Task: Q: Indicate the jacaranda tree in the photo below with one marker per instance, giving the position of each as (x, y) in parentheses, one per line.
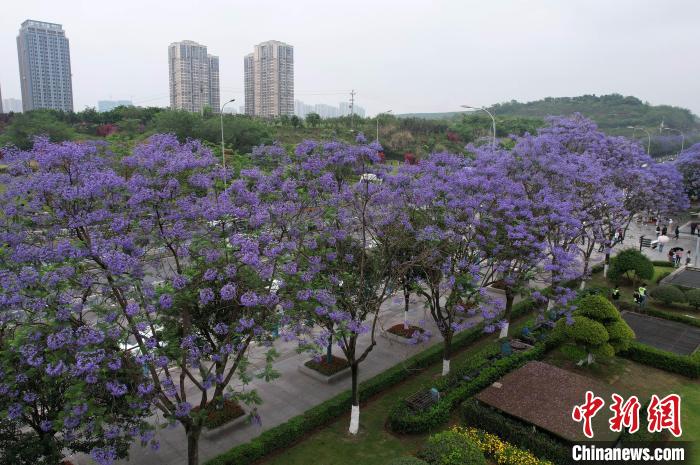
(179, 261)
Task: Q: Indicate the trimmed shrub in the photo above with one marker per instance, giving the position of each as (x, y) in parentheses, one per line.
(662, 263)
(597, 327)
(404, 420)
(451, 448)
(632, 264)
(671, 316)
(598, 308)
(668, 361)
(662, 276)
(667, 294)
(409, 460)
(520, 434)
(693, 298)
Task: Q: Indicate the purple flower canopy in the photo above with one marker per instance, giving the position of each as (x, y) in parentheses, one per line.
(124, 271)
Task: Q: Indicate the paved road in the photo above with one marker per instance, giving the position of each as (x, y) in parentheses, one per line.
(293, 393)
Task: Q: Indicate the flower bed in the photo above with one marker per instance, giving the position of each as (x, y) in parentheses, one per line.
(502, 452)
(218, 417)
(401, 331)
(521, 434)
(328, 369)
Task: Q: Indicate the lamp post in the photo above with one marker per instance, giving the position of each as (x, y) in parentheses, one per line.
(666, 128)
(223, 150)
(378, 115)
(493, 120)
(634, 128)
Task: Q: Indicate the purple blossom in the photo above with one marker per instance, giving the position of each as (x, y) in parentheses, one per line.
(228, 292)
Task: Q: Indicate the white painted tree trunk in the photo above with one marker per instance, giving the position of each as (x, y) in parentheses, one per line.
(605, 270)
(583, 284)
(445, 367)
(504, 330)
(405, 319)
(590, 358)
(354, 419)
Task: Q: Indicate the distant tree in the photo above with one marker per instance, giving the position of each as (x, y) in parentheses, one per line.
(25, 126)
(314, 119)
(295, 121)
(632, 264)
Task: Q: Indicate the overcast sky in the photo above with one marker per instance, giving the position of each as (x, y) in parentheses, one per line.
(404, 55)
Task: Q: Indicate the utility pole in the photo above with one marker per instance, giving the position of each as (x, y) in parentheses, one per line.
(352, 110)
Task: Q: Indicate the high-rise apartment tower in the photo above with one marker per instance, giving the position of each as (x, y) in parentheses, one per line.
(269, 80)
(194, 77)
(44, 66)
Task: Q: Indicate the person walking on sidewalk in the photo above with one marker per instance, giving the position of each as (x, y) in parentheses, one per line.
(677, 233)
(687, 258)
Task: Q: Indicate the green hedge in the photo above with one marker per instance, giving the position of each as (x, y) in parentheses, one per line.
(294, 429)
(524, 436)
(671, 316)
(668, 361)
(402, 419)
(597, 268)
(662, 263)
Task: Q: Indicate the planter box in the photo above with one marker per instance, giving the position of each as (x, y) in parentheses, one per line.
(396, 338)
(496, 290)
(225, 428)
(344, 373)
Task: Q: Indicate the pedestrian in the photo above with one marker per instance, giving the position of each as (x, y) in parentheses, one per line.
(642, 296)
(661, 246)
(664, 230)
(693, 227)
(670, 256)
(677, 259)
(687, 259)
(637, 299)
(658, 230)
(677, 232)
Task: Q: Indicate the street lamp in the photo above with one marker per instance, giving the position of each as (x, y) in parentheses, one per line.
(493, 120)
(634, 128)
(665, 128)
(378, 115)
(223, 150)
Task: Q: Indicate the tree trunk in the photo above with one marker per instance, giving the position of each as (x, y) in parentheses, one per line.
(446, 352)
(406, 297)
(329, 350)
(607, 264)
(355, 409)
(510, 297)
(193, 432)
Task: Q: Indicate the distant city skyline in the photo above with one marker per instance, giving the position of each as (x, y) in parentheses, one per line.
(323, 110)
(12, 105)
(451, 53)
(107, 105)
(43, 51)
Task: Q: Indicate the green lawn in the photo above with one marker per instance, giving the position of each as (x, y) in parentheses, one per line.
(374, 445)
